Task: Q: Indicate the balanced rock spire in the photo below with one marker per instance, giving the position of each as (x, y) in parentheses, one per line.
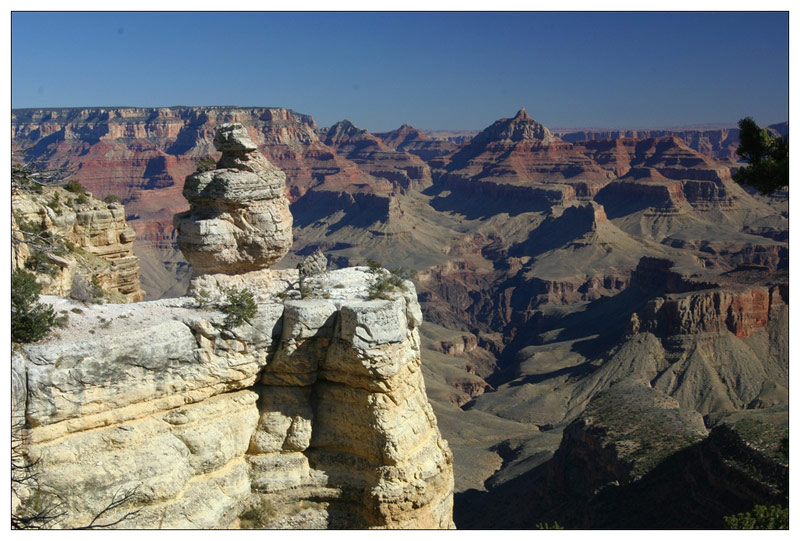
(239, 219)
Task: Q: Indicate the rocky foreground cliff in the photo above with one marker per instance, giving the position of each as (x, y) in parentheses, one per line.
(314, 410)
(308, 411)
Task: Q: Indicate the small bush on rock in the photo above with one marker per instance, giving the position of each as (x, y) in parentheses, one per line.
(203, 299)
(386, 283)
(30, 320)
(111, 198)
(75, 187)
(24, 177)
(374, 266)
(39, 262)
(32, 228)
(240, 306)
(762, 517)
(257, 517)
(55, 204)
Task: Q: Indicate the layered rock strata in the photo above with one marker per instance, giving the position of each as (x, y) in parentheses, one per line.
(374, 157)
(519, 157)
(719, 143)
(83, 236)
(239, 218)
(315, 404)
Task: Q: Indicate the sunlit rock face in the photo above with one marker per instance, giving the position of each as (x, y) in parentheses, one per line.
(99, 242)
(239, 219)
(315, 408)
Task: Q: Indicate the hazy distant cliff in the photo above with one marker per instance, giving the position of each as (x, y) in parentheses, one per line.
(720, 143)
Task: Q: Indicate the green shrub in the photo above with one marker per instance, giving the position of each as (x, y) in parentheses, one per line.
(206, 163)
(23, 175)
(39, 262)
(62, 247)
(33, 228)
(374, 266)
(82, 199)
(257, 517)
(203, 299)
(75, 187)
(240, 306)
(388, 282)
(55, 204)
(762, 517)
(111, 198)
(30, 320)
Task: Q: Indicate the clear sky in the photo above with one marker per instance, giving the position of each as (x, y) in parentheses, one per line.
(431, 70)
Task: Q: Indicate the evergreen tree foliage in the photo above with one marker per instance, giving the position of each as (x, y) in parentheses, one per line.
(30, 320)
(240, 306)
(767, 155)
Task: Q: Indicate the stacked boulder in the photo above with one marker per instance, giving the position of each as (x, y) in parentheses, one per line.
(239, 219)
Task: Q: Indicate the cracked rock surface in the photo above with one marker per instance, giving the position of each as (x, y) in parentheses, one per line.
(315, 409)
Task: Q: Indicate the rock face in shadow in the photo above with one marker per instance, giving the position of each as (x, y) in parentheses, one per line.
(239, 219)
(636, 460)
(315, 404)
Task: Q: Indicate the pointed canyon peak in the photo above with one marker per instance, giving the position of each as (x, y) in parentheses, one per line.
(519, 128)
(239, 218)
(342, 129)
(405, 134)
(350, 140)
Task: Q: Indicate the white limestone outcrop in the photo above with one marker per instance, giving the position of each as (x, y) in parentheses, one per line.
(314, 409)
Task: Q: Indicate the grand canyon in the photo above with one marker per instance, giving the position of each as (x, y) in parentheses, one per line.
(595, 333)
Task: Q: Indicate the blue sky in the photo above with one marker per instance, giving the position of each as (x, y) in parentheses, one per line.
(431, 70)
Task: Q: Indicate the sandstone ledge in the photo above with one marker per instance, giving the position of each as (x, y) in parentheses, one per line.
(319, 399)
